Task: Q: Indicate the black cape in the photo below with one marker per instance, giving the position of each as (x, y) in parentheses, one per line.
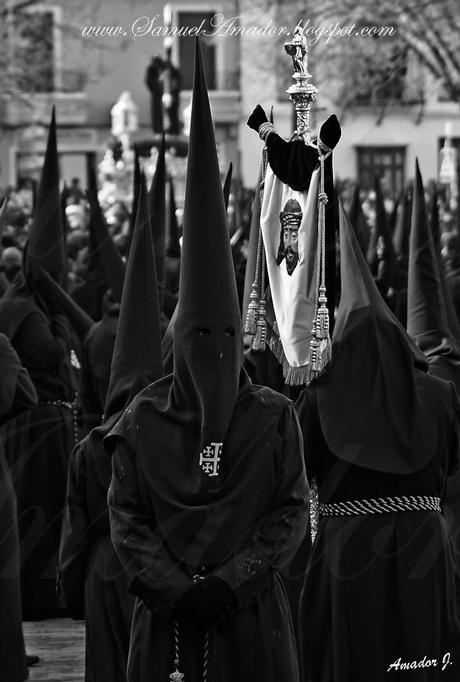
(16, 394)
(381, 587)
(167, 523)
(38, 444)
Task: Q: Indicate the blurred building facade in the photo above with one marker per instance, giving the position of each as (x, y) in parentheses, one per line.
(84, 77)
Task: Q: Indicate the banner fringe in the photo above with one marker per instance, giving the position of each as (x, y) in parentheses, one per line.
(293, 376)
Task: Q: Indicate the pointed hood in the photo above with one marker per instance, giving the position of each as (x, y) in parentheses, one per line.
(368, 400)
(207, 334)
(157, 211)
(172, 226)
(358, 220)
(402, 226)
(106, 249)
(227, 185)
(46, 236)
(79, 320)
(426, 312)
(431, 318)
(136, 185)
(95, 268)
(137, 359)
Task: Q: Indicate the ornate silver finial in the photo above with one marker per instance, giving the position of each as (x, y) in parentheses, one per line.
(302, 93)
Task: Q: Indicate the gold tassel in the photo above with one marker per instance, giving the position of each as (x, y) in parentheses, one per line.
(260, 339)
(320, 344)
(314, 352)
(322, 316)
(250, 325)
(322, 330)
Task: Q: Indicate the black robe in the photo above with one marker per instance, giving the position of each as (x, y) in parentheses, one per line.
(381, 588)
(166, 529)
(92, 582)
(38, 444)
(16, 394)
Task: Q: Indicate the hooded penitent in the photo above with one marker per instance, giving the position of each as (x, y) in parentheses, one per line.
(207, 338)
(89, 573)
(157, 211)
(46, 237)
(136, 360)
(429, 305)
(371, 408)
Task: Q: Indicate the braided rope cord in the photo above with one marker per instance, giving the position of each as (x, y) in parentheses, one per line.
(73, 407)
(206, 657)
(176, 676)
(381, 505)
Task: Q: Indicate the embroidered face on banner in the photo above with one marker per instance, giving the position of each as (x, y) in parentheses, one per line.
(290, 219)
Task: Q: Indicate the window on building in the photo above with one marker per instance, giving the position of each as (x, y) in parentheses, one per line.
(387, 163)
(34, 50)
(186, 49)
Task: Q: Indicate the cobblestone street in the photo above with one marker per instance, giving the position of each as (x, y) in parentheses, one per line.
(60, 643)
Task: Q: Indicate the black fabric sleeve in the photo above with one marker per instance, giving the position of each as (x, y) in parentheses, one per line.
(280, 532)
(156, 576)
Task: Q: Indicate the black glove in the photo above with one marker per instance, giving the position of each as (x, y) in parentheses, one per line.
(205, 603)
(330, 131)
(257, 117)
